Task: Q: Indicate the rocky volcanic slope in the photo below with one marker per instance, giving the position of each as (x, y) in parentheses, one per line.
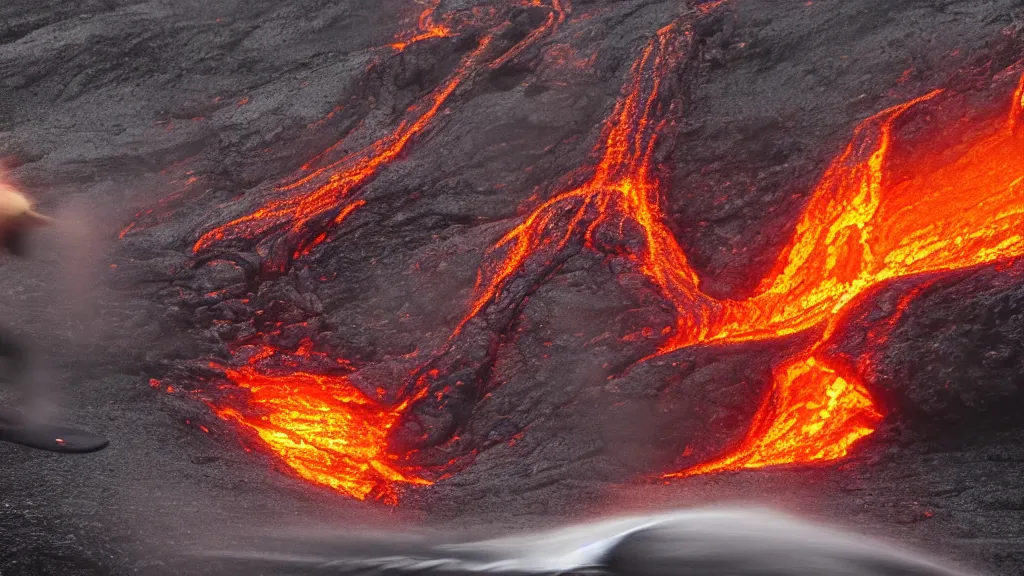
(112, 106)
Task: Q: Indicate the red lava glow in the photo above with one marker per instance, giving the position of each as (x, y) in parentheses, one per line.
(862, 227)
(326, 200)
(622, 186)
(427, 28)
(321, 199)
(859, 230)
(323, 428)
(152, 216)
(555, 18)
(812, 414)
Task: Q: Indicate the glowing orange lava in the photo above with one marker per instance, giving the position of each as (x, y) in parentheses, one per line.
(862, 227)
(326, 201)
(323, 428)
(621, 188)
(859, 230)
(555, 18)
(814, 414)
(427, 28)
(321, 199)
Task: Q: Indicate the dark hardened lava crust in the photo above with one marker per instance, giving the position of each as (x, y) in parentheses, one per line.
(113, 106)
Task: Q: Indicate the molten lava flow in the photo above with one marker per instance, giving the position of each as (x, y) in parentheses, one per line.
(859, 230)
(327, 200)
(321, 199)
(427, 28)
(813, 414)
(622, 190)
(323, 428)
(1016, 108)
(862, 227)
(555, 18)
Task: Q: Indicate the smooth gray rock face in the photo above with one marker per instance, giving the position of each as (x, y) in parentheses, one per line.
(179, 115)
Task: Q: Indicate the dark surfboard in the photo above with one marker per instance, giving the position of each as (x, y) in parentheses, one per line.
(49, 437)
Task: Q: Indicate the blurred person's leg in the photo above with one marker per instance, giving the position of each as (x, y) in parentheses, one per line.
(34, 428)
(16, 357)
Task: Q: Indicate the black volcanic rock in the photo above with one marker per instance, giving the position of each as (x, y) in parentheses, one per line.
(180, 116)
(959, 357)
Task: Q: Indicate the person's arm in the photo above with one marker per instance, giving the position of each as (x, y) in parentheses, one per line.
(16, 218)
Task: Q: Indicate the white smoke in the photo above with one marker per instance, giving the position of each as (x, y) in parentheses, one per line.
(703, 542)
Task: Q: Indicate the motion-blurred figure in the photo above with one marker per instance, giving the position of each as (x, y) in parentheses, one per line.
(17, 218)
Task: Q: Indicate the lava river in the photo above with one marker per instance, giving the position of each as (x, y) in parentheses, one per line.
(862, 227)
(322, 427)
